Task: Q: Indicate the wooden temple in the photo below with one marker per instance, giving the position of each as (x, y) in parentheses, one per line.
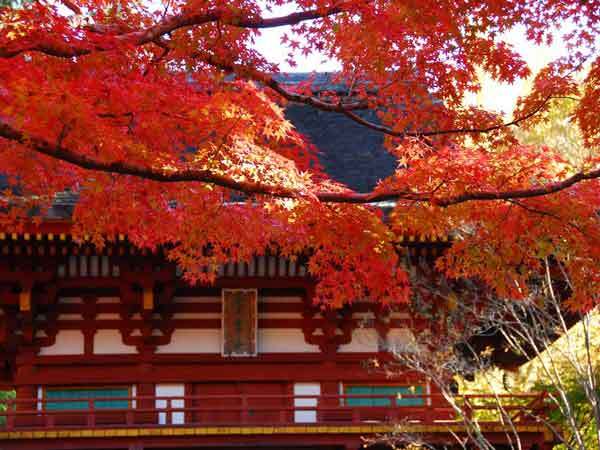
(111, 349)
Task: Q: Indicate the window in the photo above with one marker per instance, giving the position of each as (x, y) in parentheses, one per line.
(397, 391)
(73, 398)
(239, 322)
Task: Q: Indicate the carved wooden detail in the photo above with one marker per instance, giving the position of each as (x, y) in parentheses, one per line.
(326, 327)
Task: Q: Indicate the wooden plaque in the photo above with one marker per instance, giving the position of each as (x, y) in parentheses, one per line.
(239, 322)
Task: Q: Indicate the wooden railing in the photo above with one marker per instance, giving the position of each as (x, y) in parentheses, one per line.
(263, 410)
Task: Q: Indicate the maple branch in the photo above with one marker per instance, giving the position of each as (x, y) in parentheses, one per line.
(551, 215)
(348, 108)
(61, 153)
(153, 34)
(72, 6)
(62, 49)
(58, 152)
(425, 133)
(270, 82)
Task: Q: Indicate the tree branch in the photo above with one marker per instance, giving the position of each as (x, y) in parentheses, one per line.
(270, 82)
(546, 214)
(348, 108)
(59, 152)
(429, 133)
(62, 49)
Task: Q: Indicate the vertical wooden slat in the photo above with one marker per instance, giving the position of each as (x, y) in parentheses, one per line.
(83, 266)
(93, 269)
(252, 267)
(72, 266)
(105, 266)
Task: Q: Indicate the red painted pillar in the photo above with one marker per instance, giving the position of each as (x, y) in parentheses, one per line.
(147, 417)
(25, 409)
(26, 394)
(329, 403)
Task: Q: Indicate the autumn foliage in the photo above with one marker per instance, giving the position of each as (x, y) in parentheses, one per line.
(169, 125)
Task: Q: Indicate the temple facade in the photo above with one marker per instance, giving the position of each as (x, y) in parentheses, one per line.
(112, 349)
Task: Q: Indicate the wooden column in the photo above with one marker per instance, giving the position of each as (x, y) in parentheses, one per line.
(26, 394)
(146, 418)
(328, 388)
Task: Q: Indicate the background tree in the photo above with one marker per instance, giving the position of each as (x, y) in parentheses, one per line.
(105, 99)
(557, 347)
(563, 362)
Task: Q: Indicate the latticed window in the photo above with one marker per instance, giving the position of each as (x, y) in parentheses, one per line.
(402, 394)
(78, 398)
(239, 322)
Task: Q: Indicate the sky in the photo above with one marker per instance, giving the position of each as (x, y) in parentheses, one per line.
(494, 96)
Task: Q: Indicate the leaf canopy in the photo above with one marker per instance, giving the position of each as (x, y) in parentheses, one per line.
(105, 99)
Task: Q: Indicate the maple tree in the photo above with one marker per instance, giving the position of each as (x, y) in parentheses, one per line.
(107, 99)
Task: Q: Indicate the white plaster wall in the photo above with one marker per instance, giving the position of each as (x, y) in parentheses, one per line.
(400, 340)
(178, 316)
(280, 315)
(364, 340)
(68, 342)
(70, 317)
(193, 341)
(109, 342)
(283, 340)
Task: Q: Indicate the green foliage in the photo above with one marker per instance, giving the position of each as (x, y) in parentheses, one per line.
(5, 395)
(558, 131)
(583, 413)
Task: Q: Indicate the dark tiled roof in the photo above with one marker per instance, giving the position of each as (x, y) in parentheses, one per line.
(349, 152)
(63, 205)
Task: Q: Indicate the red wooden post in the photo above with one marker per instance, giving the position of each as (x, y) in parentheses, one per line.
(355, 415)
(244, 412)
(283, 415)
(168, 413)
(468, 408)
(330, 401)
(10, 415)
(91, 415)
(26, 401)
(49, 422)
(129, 416)
(147, 402)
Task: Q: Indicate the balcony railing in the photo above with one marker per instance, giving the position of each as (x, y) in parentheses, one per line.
(263, 410)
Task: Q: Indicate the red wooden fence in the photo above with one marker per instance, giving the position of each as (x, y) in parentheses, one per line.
(264, 410)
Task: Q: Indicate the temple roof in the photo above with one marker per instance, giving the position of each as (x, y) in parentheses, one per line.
(349, 152)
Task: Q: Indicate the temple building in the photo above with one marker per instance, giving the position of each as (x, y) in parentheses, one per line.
(112, 349)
